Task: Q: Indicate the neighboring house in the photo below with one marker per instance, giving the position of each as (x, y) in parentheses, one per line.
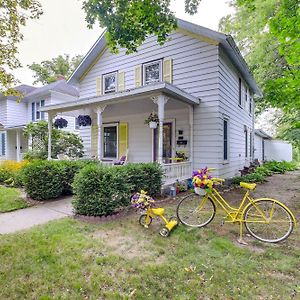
(197, 82)
(266, 148)
(14, 115)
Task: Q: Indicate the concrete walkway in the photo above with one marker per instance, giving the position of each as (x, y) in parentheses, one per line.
(36, 215)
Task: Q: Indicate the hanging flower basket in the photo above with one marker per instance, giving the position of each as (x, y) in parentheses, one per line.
(152, 120)
(84, 120)
(60, 123)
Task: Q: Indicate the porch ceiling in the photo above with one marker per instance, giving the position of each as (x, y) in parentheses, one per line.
(144, 92)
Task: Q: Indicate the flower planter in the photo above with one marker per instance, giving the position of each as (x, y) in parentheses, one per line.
(152, 125)
(200, 191)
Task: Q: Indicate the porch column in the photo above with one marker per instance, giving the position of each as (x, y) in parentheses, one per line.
(99, 110)
(191, 120)
(160, 100)
(50, 118)
(18, 144)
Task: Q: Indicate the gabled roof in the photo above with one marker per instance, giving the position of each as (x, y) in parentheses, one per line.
(226, 42)
(60, 86)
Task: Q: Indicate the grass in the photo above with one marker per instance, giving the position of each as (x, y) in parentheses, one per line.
(71, 259)
(10, 199)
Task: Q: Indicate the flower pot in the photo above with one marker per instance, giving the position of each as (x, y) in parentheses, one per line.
(152, 125)
(200, 191)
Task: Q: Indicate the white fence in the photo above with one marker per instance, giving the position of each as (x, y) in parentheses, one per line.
(174, 171)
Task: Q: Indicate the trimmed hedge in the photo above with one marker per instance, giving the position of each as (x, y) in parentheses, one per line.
(101, 190)
(44, 180)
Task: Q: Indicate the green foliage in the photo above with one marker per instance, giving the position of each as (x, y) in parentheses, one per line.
(280, 166)
(63, 142)
(128, 23)
(268, 33)
(48, 71)
(100, 190)
(267, 169)
(43, 180)
(5, 174)
(13, 15)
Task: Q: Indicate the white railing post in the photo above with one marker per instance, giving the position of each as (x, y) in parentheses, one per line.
(99, 110)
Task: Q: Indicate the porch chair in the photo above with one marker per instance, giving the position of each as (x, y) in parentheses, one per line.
(122, 161)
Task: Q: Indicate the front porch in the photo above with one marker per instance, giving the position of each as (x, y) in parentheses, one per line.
(118, 128)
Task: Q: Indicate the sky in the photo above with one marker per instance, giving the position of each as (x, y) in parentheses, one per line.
(62, 29)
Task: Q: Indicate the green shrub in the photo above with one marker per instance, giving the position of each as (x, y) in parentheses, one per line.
(144, 176)
(280, 166)
(253, 177)
(263, 171)
(101, 190)
(5, 174)
(43, 180)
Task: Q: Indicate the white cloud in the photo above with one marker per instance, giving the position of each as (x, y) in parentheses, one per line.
(62, 29)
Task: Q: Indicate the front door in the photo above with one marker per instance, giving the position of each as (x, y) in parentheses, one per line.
(167, 143)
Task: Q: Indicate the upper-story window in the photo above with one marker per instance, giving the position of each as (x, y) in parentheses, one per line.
(240, 91)
(2, 144)
(36, 115)
(110, 83)
(152, 72)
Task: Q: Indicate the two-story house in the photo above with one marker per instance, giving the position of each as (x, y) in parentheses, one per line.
(198, 84)
(14, 115)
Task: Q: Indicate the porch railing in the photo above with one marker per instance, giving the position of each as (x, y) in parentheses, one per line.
(174, 171)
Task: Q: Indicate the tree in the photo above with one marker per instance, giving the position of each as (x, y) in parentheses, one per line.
(267, 32)
(48, 71)
(128, 22)
(13, 15)
(62, 142)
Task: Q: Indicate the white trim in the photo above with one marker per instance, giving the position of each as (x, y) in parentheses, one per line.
(102, 143)
(103, 82)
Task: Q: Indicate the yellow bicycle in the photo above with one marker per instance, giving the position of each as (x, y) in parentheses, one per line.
(266, 219)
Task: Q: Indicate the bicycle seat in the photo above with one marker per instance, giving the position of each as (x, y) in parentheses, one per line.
(248, 186)
(158, 211)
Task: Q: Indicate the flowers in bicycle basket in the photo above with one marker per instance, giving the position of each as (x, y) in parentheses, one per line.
(142, 200)
(202, 180)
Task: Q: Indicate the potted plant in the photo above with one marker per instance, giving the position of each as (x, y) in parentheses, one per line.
(202, 181)
(152, 120)
(84, 120)
(60, 123)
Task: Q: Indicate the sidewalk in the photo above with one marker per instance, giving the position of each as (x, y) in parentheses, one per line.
(40, 214)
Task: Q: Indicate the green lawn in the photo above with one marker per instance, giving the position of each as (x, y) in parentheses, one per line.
(10, 199)
(71, 259)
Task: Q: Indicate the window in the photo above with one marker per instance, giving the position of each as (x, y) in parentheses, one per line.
(246, 95)
(251, 144)
(77, 123)
(152, 72)
(2, 144)
(246, 141)
(225, 139)
(110, 83)
(110, 141)
(250, 106)
(240, 91)
(36, 115)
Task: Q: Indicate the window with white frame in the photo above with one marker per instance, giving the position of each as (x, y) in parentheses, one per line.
(240, 91)
(110, 83)
(152, 72)
(110, 141)
(36, 115)
(2, 144)
(246, 140)
(225, 139)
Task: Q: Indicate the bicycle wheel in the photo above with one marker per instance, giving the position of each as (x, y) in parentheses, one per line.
(196, 211)
(143, 220)
(268, 221)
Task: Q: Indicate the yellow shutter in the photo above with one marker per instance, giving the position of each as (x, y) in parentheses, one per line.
(123, 139)
(99, 85)
(168, 70)
(138, 76)
(94, 139)
(121, 81)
